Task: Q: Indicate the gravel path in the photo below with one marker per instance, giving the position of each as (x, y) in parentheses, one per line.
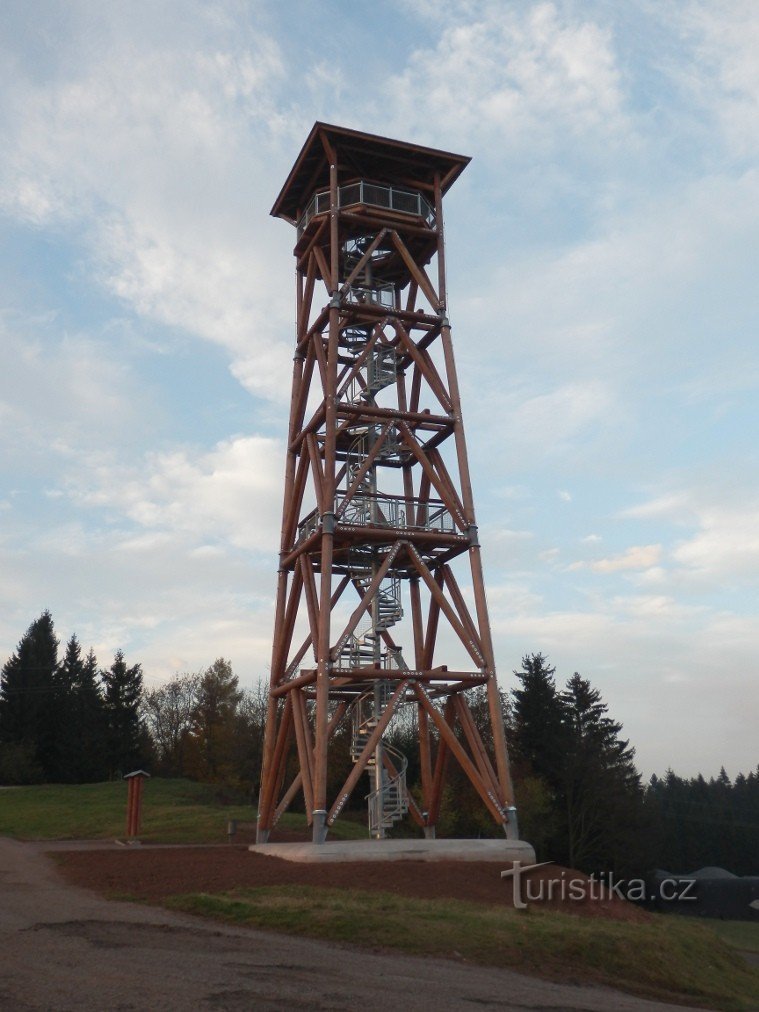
(66, 948)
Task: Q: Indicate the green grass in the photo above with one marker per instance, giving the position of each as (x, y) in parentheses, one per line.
(739, 934)
(668, 958)
(174, 811)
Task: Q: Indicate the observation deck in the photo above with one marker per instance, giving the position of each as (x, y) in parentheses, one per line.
(365, 194)
(394, 164)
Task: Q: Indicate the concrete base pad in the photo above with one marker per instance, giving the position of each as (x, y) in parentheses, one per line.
(502, 851)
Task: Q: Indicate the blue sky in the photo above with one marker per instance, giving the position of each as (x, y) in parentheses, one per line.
(602, 250)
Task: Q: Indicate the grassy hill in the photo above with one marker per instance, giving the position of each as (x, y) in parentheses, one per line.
(174, 811)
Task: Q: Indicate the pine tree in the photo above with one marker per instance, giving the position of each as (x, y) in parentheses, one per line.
(123, 731)
(538, 725)
(600, 786)
(28, 711)
(67, 745)
(90, 719)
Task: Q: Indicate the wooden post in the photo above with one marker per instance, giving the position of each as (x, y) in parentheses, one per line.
(135, 783)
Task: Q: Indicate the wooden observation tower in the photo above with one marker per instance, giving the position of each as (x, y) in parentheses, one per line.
(378, 513)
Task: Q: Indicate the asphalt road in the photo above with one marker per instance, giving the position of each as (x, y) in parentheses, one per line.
(66, 948)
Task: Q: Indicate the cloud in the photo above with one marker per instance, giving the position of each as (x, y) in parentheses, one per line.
(527, 75)
(59, 389)
(138, 152)
(724, 545)
(726, 82)
(546, 423)
(636, 557)
(230, 494)
(654, 661)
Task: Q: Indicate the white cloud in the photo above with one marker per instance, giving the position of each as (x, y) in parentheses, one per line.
(141, 154)
(521, 75)
(654, 661)
(724, 78)
(232, 493)
(57, 389)
(724, 545)
(636, 557)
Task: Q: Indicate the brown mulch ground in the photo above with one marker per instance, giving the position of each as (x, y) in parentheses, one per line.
(155, 873)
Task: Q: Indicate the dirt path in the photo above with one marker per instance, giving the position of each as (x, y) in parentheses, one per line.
(65, 948)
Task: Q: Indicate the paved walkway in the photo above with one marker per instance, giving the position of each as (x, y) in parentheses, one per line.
(66, 948)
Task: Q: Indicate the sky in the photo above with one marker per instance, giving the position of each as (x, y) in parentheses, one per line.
(601, 254)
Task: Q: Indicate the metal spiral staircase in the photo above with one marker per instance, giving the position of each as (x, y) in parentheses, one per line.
(388, 798)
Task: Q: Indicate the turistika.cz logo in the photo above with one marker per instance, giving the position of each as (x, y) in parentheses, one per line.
(578, 890)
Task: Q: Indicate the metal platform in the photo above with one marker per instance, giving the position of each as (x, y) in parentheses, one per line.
(501, 851)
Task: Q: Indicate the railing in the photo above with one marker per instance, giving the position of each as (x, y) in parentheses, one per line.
(388, 803)
(394, 198)
(381, 371)
(308, 525)
(379, 510)
(358, 652)
(382, 294)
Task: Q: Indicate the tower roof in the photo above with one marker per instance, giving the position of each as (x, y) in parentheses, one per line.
(364, 156)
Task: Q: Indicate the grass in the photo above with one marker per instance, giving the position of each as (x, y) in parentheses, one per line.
(668, 958)
(174, 811)
(742, 935)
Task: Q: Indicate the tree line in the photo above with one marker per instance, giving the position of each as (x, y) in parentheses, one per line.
(581, 799)
(67, 720)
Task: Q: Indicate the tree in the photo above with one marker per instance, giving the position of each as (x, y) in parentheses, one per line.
(215, 720)
(580, 774)
(538, 722)
(68, 744)
(169, 712)
(28, 711)
(123, 730)
(701, 823)
(90, 719)
(251, 724)
(600, 787)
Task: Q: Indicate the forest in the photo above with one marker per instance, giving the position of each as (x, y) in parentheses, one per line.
(582, 802)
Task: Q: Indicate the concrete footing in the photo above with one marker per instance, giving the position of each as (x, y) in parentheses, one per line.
(502, 851)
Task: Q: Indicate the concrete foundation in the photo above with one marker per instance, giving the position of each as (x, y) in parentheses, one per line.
(500, 851)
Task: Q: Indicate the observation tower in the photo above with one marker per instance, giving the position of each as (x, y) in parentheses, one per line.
(378, 514)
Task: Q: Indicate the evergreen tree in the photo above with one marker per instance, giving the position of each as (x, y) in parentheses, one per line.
(538, 722)
(28, 698)
(702, 823)
(90, 720)
(123, 730)
(579, 774)
(600, 787)
(67, 746)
